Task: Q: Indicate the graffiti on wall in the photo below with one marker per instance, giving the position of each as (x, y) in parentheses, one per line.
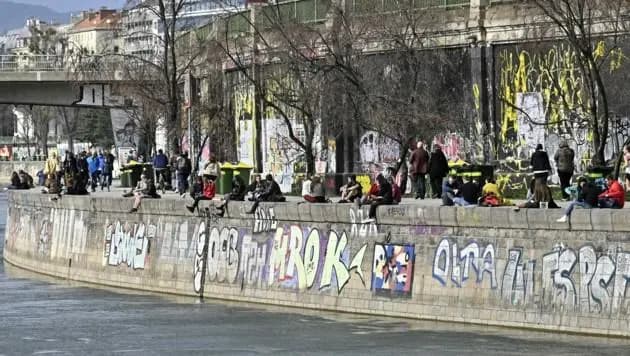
(265, 220)
(393, 269)
(377, 151)
(457, 266)
(57, 233)
(127, 243)
(360, 223)
(517, 283)
(292, 257)
(540, 87)
(586, 281)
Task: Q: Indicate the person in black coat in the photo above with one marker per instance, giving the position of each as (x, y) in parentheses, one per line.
(540, 164)
(438, 169)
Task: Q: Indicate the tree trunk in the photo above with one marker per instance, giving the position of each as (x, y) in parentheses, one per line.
(310, 160)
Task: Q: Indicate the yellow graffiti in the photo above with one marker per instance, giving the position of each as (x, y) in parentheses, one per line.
(617, 58)
(600, 50)
(476, 96)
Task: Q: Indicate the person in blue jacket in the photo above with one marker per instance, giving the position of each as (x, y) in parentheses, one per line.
(94, 170)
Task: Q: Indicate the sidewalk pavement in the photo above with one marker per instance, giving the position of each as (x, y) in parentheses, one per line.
(117, 192)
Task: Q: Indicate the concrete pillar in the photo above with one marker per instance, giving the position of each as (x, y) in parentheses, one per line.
(482, 72)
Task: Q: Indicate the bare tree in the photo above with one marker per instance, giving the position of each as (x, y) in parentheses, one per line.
(69, 121)
(157, 76)
(407, 91)
(592, 28)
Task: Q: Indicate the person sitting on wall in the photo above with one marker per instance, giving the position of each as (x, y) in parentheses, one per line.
(255, 189)
(490, 195)
(587, 197)
(209, 191)
(470, 194)
(238, 189)
(391, 179)
(15, 181)
(144, 189)
(26, 181)
(317, 193)
(374, 189)
(351, 191)
(613, 197)
(237, 193)
(542, 198)
(197, 188)
(272, 193)
(451, 189)
(383, 197)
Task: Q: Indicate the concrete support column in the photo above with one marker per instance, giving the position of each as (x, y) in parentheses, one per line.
(481, 73)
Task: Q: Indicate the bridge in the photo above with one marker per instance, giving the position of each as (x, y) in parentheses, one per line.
(56, 80)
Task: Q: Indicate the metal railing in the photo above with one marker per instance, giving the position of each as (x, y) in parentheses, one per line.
(32, 63)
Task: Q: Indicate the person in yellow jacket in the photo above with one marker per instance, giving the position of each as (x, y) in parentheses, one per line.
(490, 194)
(50, 172)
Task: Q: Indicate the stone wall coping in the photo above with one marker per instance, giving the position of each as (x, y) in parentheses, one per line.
(606, 220)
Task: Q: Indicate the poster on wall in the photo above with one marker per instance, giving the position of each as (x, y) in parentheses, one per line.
(530, 119)
(6, 153)
(125, 129)
(246, 142)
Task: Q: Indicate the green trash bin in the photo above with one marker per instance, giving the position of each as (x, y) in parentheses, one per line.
(244, 171)
(224, 181)
(125, 179)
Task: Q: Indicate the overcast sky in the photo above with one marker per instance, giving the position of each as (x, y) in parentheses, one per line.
(74, 5)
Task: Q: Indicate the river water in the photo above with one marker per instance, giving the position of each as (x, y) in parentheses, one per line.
(39, 315)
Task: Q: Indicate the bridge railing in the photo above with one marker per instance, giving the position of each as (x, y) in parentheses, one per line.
(55, 63)
(31, 63)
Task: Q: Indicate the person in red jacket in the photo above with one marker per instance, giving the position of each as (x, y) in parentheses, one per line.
(614, 197)
(209, 190)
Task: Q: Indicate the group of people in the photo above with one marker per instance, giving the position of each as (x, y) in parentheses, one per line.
(76, 173)
(21, 180)
(435, 165)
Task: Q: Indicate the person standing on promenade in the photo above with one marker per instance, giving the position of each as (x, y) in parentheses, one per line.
(419, 163)
(564, 163)
(438, 169)
(540, 164)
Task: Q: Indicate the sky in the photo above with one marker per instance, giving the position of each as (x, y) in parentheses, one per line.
(74, 5)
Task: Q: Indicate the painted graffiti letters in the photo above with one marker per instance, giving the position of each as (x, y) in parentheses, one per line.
(293, 257)
(264, 220)
(361, 225)
(518, 282)
(393, 269)
(128, 244)
(450, 262)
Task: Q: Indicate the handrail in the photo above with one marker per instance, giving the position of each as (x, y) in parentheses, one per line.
(50, 63)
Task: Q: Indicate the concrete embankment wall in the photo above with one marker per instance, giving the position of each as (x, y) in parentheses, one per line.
(485, 265)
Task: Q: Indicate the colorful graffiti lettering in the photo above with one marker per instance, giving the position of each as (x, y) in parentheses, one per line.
(295, 258)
